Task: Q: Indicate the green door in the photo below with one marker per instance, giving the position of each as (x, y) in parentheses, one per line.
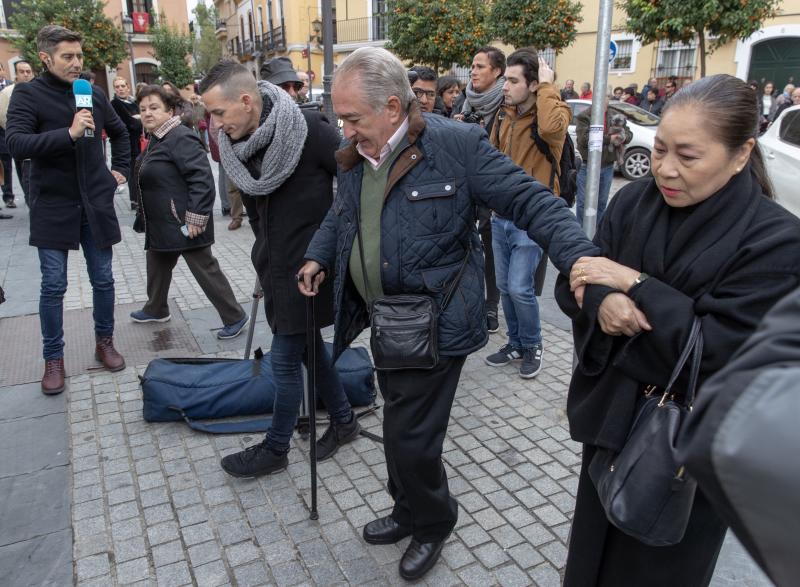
(776, 60)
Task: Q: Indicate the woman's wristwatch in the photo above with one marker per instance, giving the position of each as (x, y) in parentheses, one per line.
(638, 280)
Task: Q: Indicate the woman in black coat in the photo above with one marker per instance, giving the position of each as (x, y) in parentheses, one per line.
(703, 238)
(177, 195)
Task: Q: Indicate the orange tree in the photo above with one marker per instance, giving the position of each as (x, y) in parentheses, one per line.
(103, 41)
(682, 20)
(437, 32)
(541, 24)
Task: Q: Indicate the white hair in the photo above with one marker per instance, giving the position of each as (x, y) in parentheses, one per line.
(381, 74)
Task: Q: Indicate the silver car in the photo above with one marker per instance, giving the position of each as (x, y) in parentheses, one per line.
(781, 148)
(636, 160)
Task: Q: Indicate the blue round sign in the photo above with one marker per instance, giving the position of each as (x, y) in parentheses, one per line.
(613, 52)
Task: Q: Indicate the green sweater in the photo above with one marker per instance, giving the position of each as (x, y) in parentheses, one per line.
(373, 186)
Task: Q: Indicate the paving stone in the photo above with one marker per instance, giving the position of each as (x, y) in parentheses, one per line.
(550, 515)
(125, 550)
(241, 553)
(525, 555)
(545, 576)
(491, 555)
(126, 529)
(92, 566)
(475, 575)
(233, 532)
(489, 519)
(556, 553)
(511, 576)
(167, 553)
(288, 573)
(473, 535)
(201, 554)
(174, 575)
(211, 574)
(359, 571)
(152, 497)
(132, 571)
(192, 515)
(251, 575)
(457, 555)
(161, 533)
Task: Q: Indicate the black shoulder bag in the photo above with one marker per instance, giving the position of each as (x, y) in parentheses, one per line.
(404, 328)
(644, 489)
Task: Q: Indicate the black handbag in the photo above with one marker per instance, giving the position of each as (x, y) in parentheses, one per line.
(405, 328)
(644, 489)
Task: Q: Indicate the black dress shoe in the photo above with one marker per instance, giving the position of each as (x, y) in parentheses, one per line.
(11, 204)
(385, 531)
(5, 216)
(419, 559)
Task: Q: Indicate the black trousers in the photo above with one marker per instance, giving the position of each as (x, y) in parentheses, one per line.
(24, 174)
(485, 231)
(415, 415)
(8, 188)
(205, 268)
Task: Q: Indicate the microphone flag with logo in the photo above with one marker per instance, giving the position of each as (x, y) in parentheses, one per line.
(82, 90)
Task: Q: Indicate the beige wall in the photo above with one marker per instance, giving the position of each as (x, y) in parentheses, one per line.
(577, 61)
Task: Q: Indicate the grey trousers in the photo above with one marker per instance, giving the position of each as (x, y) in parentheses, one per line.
(229, 196)
(206, 271)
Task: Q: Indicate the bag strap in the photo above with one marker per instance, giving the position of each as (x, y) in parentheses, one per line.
(542, 145)
(236, 427)
(450, 291)
(693, 348)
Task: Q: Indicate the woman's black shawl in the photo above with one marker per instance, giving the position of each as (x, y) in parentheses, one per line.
(734, 256)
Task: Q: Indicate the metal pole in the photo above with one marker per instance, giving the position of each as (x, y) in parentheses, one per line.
(308, 69)
(327, 79)
(597, 117)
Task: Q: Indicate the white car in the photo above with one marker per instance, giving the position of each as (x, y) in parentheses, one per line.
(781, 148)
(636, 161)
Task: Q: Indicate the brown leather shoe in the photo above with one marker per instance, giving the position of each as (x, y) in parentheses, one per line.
(53, 378)
(108, 355)
(235, 223)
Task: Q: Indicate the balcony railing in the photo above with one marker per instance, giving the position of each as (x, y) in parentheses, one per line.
(361, 30)
(221, 27)
(275, 40)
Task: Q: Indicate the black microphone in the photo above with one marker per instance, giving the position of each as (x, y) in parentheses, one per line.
(83, 99)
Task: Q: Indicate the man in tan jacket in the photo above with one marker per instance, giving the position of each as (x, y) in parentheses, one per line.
(532, 120)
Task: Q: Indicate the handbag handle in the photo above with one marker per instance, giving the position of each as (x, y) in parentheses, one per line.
(693, 347)
(450, 291)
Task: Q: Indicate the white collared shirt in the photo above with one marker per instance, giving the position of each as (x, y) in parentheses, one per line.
(387, 149)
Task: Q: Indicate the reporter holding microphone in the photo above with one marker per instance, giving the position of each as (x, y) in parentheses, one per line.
(71, 191)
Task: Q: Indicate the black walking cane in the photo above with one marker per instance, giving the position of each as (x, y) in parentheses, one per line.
(311, 367)
(258, 293)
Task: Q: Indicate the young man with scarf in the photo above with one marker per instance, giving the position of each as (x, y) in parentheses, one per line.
(483, 98)
(283, 158)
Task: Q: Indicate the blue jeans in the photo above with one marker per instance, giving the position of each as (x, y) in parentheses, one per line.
(516, 257)
(288, 352)
(53, 264)
(606, 175)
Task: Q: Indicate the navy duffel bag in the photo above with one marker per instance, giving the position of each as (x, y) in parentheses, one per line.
(199, 389)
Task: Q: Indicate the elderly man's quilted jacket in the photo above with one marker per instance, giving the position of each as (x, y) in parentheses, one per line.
(428, 225)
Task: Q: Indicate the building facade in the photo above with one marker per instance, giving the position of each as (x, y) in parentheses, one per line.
(772, 54)
(143, 63)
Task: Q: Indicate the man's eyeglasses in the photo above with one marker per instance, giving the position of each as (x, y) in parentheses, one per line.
(419, 93)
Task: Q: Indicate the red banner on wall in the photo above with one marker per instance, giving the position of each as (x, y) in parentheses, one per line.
(141, 22)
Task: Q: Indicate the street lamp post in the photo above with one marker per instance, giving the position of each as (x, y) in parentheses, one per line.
(327, 37)
(127, 26)
(316, 27)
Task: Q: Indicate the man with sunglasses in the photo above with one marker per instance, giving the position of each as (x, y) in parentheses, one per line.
(280, 72)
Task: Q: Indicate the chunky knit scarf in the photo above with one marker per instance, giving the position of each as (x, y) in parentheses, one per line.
(283, 133)
(484, 103)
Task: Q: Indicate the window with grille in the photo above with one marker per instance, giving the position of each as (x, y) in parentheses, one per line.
(549, 55)
(623, 60)
(675, 59)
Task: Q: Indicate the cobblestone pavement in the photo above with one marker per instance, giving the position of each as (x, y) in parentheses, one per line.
(151, 506)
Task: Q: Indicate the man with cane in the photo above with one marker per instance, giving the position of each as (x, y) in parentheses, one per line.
(282, 158)
(408, 184)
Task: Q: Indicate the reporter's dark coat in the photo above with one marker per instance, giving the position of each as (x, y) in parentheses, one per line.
(284, 223)
(428, 225)
(175, 169)
(68, 179)
(727, 260)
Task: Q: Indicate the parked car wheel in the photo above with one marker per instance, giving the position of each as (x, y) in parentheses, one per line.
(636, 163)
